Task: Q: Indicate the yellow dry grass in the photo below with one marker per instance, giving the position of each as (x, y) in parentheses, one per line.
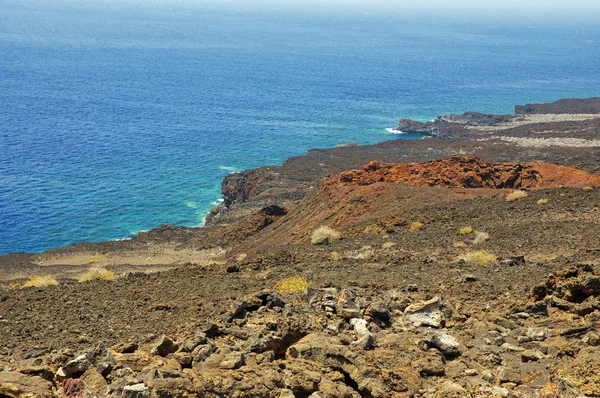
(542, 201)
(293, 284)
(515, 195)
(465, 230)
(416, 226)
(480, 257)
(324, 235)
(336, 256)
(97, 273)
(41, 281)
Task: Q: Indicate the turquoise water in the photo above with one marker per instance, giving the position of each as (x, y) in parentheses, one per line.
(115, 121)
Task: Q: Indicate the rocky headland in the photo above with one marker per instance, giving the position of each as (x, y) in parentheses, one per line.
(466, 264)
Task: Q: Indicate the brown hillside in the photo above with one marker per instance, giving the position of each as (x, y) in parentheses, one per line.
(381, 197)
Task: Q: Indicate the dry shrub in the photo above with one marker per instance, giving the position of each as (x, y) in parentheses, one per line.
(241, 257)
(365, 253)
(516, 194)
(480, 257)
(465, 230)
(388, 245)
(416, 226)
(294, 284)
(336, 256)
(14, 285)
(550, 390)
(542, 201)
(481, 237)
(459, 243)
(98, 273)
(324, 235)
(41, 281)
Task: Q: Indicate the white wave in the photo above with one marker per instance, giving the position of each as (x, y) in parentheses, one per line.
(230, 169)
(394, 131)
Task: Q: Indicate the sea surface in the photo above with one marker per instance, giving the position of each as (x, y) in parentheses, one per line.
(116, 120)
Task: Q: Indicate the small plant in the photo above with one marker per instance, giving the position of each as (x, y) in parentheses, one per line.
(416, 226)
(336, 256)
(41, 281)
(241, 257)
(14, 285)
(542, 201)
(364, 253)
(292, 285)
(480, 257)
(93, 259)
(324, 235)
(98, 273)
(516, 194)
(388, 245)
(465, 230)
(481, 237)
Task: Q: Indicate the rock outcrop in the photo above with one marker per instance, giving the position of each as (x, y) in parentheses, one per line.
(563, 106)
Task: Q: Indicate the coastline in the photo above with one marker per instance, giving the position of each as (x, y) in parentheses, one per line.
(246, 191)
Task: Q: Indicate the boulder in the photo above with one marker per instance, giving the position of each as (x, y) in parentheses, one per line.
(17, 385)
(427, 313)
(135, 391)
(164, 347)
(77, 366)
(445, 343)
(233, 360)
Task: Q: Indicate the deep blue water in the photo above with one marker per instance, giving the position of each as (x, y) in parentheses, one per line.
(115, 121)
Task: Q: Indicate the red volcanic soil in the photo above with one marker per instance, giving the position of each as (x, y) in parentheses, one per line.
(470, 172)
(382, 197)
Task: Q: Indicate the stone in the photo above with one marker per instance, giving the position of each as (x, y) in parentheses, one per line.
(201, 353)
(514, 261)
(509, 375)
(210, 330)
(17, 385)
(512, 348)
(324, 299)
(184, 359)
(445, 343)
(190, 344)
(135, 391)
(365, 338)
(240, 307)
(467, 278)
(125, 348)
(173, 387)
(95, 382)
(233, 360)
(592, 339)
(380, 312)
(539, 334)
(76, 388)
(274, 300)
(427, 313)
(232, 268)
(286, 393)
(532, 355)
(431, 365)
(346, 306)
(76, 367)
(165, 346)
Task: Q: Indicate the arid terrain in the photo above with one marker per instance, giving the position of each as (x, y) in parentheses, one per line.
(464, 264)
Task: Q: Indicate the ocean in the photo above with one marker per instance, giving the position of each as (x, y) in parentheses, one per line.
(116, 120)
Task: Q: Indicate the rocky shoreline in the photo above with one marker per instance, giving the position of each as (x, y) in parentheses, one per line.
(462, 265)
